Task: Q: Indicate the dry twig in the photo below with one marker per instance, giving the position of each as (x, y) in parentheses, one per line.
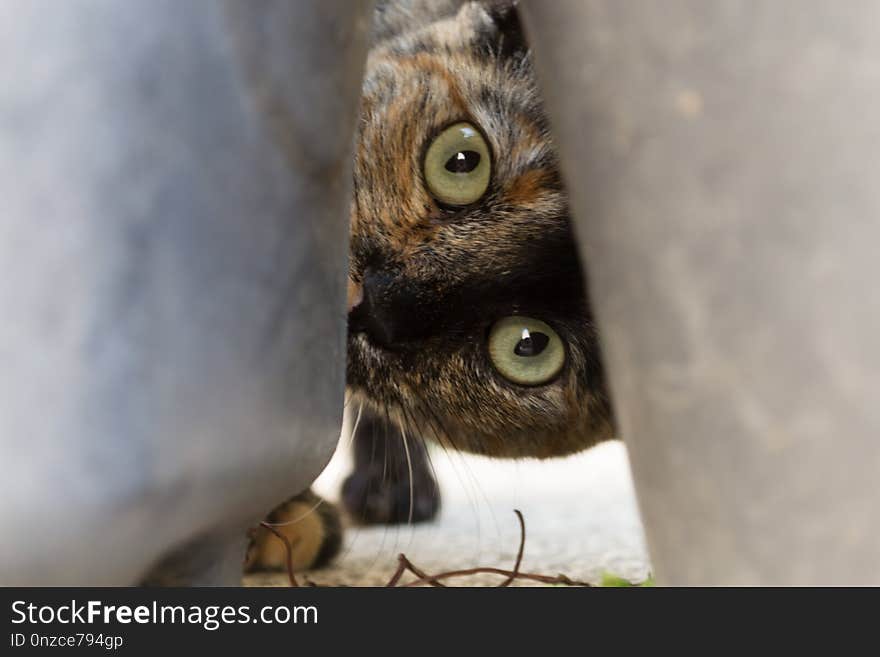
(404, 565)
(288, 549)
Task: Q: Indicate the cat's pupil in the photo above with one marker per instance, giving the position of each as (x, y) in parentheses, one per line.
(463, 162)
(531, 343)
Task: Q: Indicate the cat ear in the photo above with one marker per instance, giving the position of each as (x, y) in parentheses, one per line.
(511, 39)
(496, 27)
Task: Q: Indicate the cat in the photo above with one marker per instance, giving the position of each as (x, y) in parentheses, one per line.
(469, 322)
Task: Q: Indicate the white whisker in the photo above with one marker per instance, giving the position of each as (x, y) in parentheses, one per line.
(354, 428)
(409, 471)
(298, 518)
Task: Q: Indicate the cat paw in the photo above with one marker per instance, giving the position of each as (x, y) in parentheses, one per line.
(310, 525)
(373, 497)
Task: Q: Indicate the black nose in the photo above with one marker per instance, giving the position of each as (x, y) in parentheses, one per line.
(391, 311)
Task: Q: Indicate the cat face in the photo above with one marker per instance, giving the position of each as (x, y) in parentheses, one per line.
(468, 318)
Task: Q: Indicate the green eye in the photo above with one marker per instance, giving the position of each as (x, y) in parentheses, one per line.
(458, 165)
(525, 350)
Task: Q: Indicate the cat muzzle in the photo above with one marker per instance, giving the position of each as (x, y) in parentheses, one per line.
(388, 311)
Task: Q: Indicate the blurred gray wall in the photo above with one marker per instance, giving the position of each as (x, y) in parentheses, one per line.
(723, 159)
(174, 190)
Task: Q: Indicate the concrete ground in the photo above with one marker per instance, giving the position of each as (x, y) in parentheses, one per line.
(580, 513)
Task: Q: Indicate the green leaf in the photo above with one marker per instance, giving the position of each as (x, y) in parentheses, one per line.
(610, 579)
